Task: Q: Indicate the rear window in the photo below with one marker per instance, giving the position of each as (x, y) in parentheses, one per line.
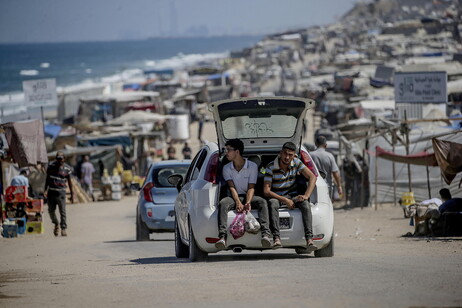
(270, 118)
(160, 175)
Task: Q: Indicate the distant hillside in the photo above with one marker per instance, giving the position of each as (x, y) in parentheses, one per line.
(396, 10)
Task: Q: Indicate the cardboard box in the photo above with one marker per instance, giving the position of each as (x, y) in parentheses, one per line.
(31, 216)
(16, 194)
(20, 222)
(35, 206)
(34, 227)
(15, 210)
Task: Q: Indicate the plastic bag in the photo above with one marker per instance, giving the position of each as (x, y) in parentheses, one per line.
(237, 227)
(251, 223)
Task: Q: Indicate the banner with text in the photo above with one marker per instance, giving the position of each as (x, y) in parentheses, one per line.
(40, 92)
(421, 87)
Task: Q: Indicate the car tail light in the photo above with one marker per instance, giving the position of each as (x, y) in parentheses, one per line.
(306, 159)
(212, 169)
(147, 192)
(211, 240)
(149, 212)
(318, 237)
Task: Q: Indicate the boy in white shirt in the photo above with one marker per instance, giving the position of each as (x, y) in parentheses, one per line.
(241, 176)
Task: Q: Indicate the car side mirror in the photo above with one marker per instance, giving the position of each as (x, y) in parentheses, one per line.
(176, 180)
(135, 186)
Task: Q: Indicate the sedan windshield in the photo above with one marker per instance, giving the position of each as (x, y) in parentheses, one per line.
(161, 175)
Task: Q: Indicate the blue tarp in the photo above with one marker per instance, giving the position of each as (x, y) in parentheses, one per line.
(217, 76)
(52, 130)
(123, 140)
(159, 72)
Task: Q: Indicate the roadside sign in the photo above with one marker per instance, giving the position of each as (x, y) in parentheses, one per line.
(40, 92)
(421, 87)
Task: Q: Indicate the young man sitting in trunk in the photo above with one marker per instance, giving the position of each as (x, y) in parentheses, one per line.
(280, 187)
(241, 176)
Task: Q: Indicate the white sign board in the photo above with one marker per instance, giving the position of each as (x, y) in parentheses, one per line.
(40, 92)
(421, 87)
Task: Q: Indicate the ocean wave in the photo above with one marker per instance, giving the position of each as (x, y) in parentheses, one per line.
(28, 72)
(178, 62)
(45, 65)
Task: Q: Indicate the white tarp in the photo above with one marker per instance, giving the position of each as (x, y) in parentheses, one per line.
(420, 141)
(136, 117)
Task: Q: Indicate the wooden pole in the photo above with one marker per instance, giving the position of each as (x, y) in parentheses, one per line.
(393, 138)
(406, 128)
(428, 183)
(376, 178)
(362, 181)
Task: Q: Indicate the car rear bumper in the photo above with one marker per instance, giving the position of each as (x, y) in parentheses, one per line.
(162, 217)
(294, 237)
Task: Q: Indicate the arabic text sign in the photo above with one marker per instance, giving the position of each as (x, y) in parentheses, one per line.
(40, 92)
(421, 87)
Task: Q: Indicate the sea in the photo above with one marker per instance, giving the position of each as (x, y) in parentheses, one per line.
(83, 63)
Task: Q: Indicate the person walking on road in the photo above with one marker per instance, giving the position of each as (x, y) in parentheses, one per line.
(58, 176)
(281, 188)
(87, 176)
(327, 166)
(241, 176)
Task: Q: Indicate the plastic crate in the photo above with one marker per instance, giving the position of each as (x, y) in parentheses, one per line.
(34, 227)
(10, 231)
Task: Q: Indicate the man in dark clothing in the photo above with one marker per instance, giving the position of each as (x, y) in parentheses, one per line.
(450, 204)
(186, 151)
(58, 176)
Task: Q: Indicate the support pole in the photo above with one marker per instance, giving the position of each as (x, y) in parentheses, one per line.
(376, 179)
(428, 183)
(406, 128)
(393, 138)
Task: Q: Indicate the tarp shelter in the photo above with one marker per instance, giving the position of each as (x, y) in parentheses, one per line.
(449, 157)
(420, 141)
(137, 116)
(26, 142)
(122, 139)
(421, 159)
(52, 130)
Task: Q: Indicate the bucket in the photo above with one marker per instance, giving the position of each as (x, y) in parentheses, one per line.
(407, 198)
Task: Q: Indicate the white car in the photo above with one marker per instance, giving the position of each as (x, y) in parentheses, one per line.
(263, 124)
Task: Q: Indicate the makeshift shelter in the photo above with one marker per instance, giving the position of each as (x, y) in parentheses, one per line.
(26, 142)
(449, 156)
(420, 142)
(136, 117)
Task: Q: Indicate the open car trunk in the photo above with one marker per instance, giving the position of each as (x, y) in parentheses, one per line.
(263, 124)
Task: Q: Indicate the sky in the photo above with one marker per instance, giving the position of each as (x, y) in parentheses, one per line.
(32, 21)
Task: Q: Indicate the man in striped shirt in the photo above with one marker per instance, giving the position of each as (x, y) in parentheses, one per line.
(58, 177)
(280, 187)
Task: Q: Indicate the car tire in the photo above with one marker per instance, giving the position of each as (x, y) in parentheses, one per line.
(181, 250)
(195, 253)
(142, 232)
(327, 251)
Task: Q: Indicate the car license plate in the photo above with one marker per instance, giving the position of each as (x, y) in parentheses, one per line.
(170, 218)
(284, 223)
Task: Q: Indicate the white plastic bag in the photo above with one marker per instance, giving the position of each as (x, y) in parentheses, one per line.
(251, 223)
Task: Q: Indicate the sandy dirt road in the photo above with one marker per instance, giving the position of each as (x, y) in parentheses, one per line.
(101, 265)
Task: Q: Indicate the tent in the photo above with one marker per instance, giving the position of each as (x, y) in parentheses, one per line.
(449, 156)
(136, 117)
(420, 143)
(26, 142)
